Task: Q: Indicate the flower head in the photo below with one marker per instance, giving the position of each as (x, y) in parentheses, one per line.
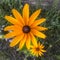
(38, 50)
(24, 28)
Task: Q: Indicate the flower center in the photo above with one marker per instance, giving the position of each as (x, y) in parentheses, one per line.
(26, 29)
(37, 49)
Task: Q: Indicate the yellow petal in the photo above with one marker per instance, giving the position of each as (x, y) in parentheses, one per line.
(18, 16)
(40, 53)
(39, 44)
(28, 41)
(43, 50)
(32, 51)
(9, 28)
(12, 20)
(37, 54)
(18, 28)
(40, 28)
(33, 39)
(11, 34)
(26, 13)
(22, 42)
(37, 22)
(39, 34)
(42, 46)
(34, 16)
(16, 40)
(15, 28)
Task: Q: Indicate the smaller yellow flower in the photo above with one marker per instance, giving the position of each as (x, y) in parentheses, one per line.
(38, 50)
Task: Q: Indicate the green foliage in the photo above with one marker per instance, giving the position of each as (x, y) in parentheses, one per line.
(52, 42)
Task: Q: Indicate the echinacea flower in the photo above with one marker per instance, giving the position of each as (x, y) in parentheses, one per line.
(24, 28)
(37, 50)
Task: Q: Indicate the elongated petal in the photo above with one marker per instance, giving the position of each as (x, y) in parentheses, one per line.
(34, 16)
(9, 28)
(33, 39)
(18, 16)
(39, 34)
(36, 54)
(22, 42)
(43, 50)
(40, 53)
(42, 46)
(26, 13)
(40, 28)
(28, 41)
(37, 22)
(39, 44)
(11, 34)
(12, 20)
(15, 28)
(16, 40)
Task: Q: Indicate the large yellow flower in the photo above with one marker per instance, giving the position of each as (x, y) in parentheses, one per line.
(24, 28)
(38, 50)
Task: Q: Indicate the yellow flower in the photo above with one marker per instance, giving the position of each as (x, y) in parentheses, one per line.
(38, 50)
(24, 28)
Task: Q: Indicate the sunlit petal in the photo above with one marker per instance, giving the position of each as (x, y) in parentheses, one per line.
(37, 22)
(43, 50)
(33, 39)
(34, 16)
(9, 28)
(12, 20)
(22, 42)
(11, 34)
(38, 34)
(26, 13)
(40, 28)
(16, 40)
(18, 16)
(28, 41)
